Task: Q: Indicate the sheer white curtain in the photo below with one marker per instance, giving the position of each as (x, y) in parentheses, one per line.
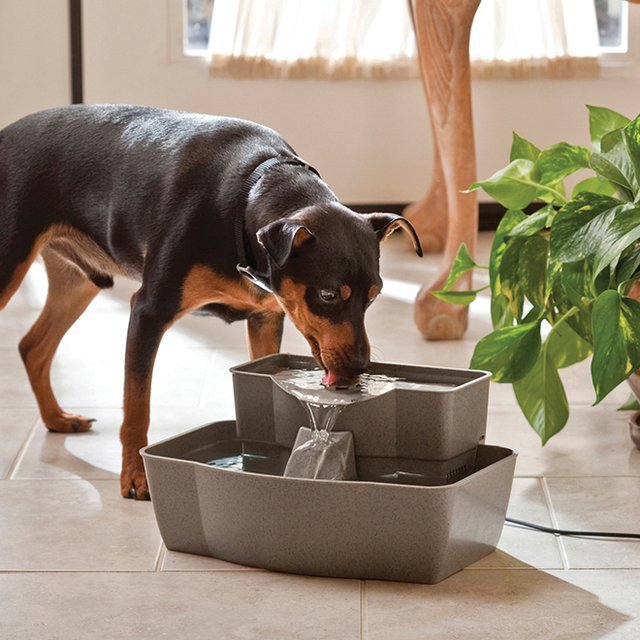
(312, 38)
(529, 38)
(346, 39)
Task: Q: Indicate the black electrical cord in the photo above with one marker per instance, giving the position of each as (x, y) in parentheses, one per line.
(568, 532)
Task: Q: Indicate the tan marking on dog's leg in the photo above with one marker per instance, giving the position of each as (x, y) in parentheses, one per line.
(70, 292)
(133, 436)
(264, 334)
(143, 339)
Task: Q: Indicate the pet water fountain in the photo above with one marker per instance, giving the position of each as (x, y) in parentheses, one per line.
(420, 496)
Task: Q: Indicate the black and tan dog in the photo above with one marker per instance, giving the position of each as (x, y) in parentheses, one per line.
(210, 214)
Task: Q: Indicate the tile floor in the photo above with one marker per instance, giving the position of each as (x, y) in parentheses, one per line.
(77, 561)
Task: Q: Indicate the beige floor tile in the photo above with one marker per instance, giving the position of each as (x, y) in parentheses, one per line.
(15, 426)
(15, 390)
(197, 606)
(98, 453)
(595, 441)
(615, 589)
(598, 504)
(500, 605)
(176, 561)
(14, 323)
(217, 389)
(74, 525)
(90, 376)
(521, 548)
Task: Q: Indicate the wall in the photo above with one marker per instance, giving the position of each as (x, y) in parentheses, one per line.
(34, 56)
(370, 140)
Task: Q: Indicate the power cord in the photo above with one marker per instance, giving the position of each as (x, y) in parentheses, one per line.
(568, 532)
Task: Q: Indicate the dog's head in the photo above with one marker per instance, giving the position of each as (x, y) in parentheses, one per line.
(324, 270)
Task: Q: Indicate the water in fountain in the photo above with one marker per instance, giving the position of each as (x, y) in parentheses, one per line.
(319, 453)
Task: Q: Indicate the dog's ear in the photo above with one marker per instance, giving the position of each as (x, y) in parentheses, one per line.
(281, 238)
(385, 224)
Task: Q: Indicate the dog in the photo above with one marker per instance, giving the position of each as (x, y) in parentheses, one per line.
(210, 214)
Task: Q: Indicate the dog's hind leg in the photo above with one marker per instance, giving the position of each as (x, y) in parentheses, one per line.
(15, 261)
(70, 292)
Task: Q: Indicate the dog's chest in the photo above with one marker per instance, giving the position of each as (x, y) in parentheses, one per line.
(203, 286)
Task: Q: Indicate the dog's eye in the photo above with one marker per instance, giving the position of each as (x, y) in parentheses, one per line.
(328, 295)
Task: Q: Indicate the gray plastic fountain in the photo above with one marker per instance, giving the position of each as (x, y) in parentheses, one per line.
(429, 499)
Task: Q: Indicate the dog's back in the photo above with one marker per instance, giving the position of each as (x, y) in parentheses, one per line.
(118, 174)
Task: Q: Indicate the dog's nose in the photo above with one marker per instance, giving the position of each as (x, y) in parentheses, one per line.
(359, 361)
(358, 368)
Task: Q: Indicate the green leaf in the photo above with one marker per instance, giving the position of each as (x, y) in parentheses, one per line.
(462, 263)
(595, 184)
(577, 225)
(533, 223)
(621, 233)
(603, 121)
(569, 291)
(616, 341)
(554, 271)
(509, 352)
(514, 187)
(565, 346)
(614, 164)
(631, 134)
(512, 286)
(500, 315)
(542, 398)
(576, 280)
(533, 269)
(457, 297)
(629, 264)
(632, 404)
(561, 160)
(523, 149)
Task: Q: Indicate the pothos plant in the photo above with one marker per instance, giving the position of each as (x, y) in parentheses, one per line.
(560, 278)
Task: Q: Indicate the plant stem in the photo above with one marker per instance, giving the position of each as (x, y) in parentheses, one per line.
(562, 319)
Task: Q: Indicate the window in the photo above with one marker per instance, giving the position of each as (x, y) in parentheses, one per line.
(612, 16)
(197, 23)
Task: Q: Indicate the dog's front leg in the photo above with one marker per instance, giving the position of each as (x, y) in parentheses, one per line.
(145, 332)
(264, 333)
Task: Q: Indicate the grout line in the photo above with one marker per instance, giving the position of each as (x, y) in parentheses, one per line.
(13, 467)
(162, 553)
(363, 610)
(136, 571)
(554, 523)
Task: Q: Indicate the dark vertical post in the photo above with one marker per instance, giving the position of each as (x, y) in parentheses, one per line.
(75, 32)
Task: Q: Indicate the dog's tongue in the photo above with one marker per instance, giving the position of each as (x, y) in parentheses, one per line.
(330, 379)
(333, 380)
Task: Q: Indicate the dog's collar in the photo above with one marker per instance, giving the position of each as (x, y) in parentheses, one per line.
(246, 260)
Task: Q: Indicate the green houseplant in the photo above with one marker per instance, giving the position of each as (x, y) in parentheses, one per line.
(562, 279)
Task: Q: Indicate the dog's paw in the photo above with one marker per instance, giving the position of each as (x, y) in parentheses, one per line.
(133, 483)
(68, 423)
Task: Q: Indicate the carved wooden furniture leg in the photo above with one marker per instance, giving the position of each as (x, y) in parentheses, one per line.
(429, 214)
(442, 31)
